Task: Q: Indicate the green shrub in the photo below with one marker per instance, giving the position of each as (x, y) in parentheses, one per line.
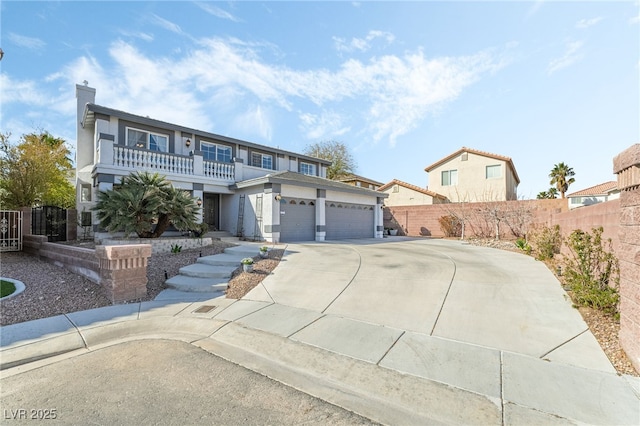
(547, 242)
(592, 271)
(450, 226)
(523, 245)
(176, 248)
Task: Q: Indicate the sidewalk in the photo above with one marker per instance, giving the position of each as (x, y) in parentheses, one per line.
(373, 361)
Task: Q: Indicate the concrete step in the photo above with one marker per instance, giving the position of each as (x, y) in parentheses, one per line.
(197, 285)
(223, 259)
(201, 270)
(245, 250)
(184, 296)
(230, 239)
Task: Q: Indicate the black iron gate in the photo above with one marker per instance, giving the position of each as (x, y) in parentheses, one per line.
(50, 221)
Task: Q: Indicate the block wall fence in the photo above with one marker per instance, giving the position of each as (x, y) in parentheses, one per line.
(619, 218)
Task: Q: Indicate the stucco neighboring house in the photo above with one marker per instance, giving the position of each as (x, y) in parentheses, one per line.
(360, 182)
(469, 175)
(404, 194)
(596, 194)
(244, 188)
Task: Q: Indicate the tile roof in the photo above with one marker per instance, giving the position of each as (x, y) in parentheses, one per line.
(412, 187)
(600, 189)
(299, 179)
(508, 160)
(351, 177)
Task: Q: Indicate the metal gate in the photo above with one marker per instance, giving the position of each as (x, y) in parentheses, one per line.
(50, 221)
(10, 230)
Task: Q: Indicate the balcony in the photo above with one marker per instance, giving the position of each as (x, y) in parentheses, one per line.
(121, 160)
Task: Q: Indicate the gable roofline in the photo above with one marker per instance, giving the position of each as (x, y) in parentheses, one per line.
(600, 189)
(449, 157)
(298, 179)
(412, 187)
(92, 109)
(353, 176)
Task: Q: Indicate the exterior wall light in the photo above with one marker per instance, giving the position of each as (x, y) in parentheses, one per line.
(188, 143)
(278, 197)
(199, 202)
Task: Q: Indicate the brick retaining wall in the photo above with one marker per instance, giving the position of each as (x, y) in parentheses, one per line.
(627, 167)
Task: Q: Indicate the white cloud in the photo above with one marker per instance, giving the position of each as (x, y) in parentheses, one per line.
(572, 54)
(362, 44)
(635, 20)
(26, 42)
(586, 23)
(140, 35)
(256, 121)
(326, 125)
(167, 25)
(218, 78)
(216, 11)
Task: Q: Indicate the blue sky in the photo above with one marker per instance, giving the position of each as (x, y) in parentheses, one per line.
(402, 84)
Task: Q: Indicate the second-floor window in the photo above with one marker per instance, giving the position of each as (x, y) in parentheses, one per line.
(493, 171)
(449, 177)
(307, 169)
(147, 140)
(215, 152)
(262, 160)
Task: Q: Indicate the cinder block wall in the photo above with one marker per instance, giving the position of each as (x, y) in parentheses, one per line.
(627, 167)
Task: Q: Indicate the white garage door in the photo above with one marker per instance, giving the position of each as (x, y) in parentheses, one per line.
(346, 220)
(298, 223)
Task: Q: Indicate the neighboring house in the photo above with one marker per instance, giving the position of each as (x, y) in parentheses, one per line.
(596, 194)
(469, 175)
(360, 182)
(404, 194)
(245, 188)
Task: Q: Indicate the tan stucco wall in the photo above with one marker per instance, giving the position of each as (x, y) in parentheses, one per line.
(472, 182)
(406, 197)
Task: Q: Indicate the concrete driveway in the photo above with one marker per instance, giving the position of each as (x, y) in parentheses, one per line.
(400, 331)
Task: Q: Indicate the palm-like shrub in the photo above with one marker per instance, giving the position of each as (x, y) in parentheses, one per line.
(146, 204)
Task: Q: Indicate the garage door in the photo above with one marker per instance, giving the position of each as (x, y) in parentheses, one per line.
(346, 220)
(298, 223)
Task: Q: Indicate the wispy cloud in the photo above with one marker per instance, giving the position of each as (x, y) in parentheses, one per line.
(325, 125)
(362, 44)
(26, 42)
(219, 78)
(166, 24)
(533, 9)
(217, 12)
(571, 55)
(586, 23)
(137, 34)
(635, 20)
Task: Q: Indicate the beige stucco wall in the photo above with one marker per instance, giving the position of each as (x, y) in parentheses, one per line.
(406, 197)
(472, 182)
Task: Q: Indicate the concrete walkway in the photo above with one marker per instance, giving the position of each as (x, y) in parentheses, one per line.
(400, 331)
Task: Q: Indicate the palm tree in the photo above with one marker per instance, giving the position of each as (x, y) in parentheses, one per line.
(146, 204)
(561, 177)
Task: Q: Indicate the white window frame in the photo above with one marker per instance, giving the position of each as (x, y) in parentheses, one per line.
(451, 177)
(263, 158)
(492, 175)
(307, 168)
(216, 152)
(146, 143)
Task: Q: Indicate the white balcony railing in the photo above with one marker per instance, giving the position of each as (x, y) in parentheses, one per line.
(221, 171)
(151, 160)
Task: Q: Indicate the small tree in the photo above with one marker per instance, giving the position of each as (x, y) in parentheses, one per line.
(142, 201)
(35, 171)
(342, 162)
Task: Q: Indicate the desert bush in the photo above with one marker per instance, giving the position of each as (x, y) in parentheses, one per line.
(450, 226)
(546, 242)
(592, 271)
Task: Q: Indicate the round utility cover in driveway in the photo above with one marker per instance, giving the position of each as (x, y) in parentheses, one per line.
(345, 221)
(297, 220)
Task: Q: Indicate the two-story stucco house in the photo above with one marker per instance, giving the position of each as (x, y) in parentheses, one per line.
(405, 194)
(469, 175)
(360, 182)
(244, 188)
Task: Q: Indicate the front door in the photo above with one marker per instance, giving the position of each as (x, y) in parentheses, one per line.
(211, 211)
